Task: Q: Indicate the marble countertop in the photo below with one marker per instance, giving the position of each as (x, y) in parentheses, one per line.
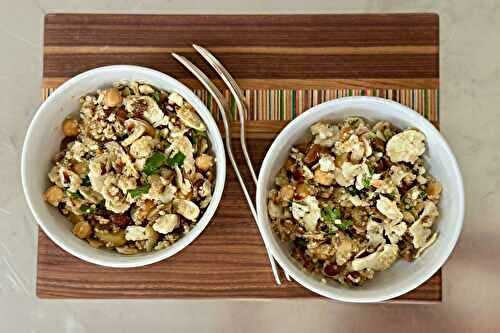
(470, 114)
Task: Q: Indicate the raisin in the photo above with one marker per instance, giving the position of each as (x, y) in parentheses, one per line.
(121, 220)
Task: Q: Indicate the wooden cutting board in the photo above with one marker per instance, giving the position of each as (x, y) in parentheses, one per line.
(285, 64)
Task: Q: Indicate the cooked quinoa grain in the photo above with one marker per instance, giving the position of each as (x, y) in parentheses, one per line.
(354, 199)
(135, 171)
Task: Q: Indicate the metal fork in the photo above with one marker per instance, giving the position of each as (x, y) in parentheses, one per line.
(223, 105)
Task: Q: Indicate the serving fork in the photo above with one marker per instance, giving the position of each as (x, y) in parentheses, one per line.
(223, 106)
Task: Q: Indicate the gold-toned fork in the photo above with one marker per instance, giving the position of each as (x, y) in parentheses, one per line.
(223, 105)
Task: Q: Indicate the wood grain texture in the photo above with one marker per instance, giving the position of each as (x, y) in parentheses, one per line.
(316, 46)
(228, 259)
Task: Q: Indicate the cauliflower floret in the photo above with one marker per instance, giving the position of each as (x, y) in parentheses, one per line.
(406, 146)
(175, 98)
(356, 201)
(326, 163)
(275, 211)
(395, 231)
(307, 212)
(148, 107)
(353, 146)
(420, 229)
(346, 248)
(69, 179)
(135, 233)
(346, 174)
(137, 130)
(431, 241)
(324, 134)
(377, 261)
(399, 173)
(389, 209)
(186, 208)
(142, 147)
(374, 233)
(167, 223)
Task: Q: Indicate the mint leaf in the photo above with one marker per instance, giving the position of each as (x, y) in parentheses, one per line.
(154, 162)
(139, 191)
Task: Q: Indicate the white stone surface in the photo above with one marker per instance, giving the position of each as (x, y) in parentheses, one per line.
(470, 115)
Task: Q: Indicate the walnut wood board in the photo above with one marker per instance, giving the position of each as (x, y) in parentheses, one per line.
(285, 64)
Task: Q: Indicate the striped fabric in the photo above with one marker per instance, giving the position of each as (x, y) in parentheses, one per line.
(286, 104)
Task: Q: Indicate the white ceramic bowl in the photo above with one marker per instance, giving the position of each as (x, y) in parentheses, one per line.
(403, 276)
(42, 142)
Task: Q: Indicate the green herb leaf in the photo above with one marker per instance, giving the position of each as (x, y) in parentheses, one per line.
(346, 224)
(87, 209)
(75, 195)
(139, 191)
(154, 162)
(422, 195)
(178, 159)
(352, 190)
(366, 182)
(86, 181)
(390, 196)
(201, 133)
(192, 139)
(300, 242)
(330, 214)
(156, 96)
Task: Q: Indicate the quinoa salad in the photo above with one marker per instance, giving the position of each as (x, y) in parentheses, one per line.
(135, 169)
(354, 198)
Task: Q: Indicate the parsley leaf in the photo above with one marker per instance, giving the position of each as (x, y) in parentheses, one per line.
(87, 209)
(156, 96)
(330, 215)
(139, 191)
(366, 182)
(390, 196)
(352, 190)
(346, 224)
(154, 162)
(86, 181)
(75, 195)
(300, 242)
(178, 159)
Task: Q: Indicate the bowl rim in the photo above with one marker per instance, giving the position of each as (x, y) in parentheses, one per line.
(300, 276)
(187, 239)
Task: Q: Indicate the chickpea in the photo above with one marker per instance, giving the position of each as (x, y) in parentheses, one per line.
(323, 178)
(81, 168)
(204, 162)
(112, 97)
(286, 193)
(53, 195)
(82, 230)
(75, 219)
(71, 127)
(433, 190)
